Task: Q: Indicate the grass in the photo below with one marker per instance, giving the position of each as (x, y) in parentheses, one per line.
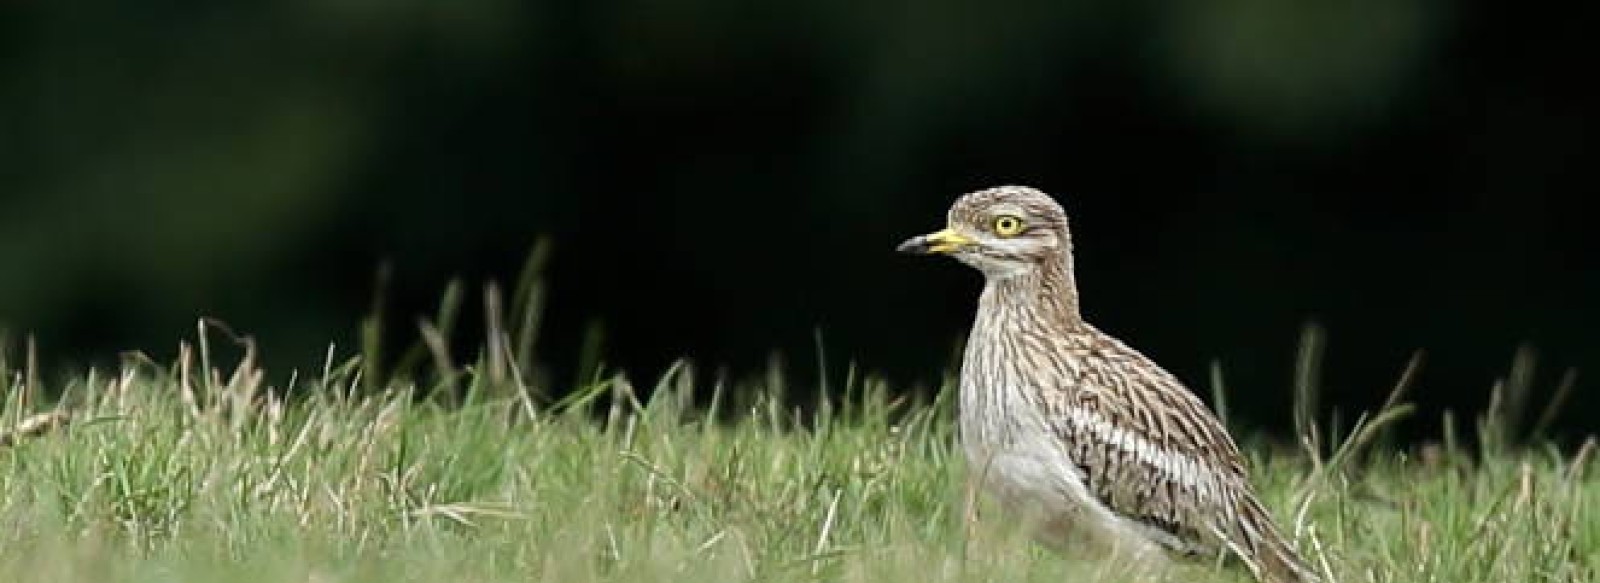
(204, 471)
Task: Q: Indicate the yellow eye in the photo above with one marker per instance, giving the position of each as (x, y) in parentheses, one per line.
(1006, 226)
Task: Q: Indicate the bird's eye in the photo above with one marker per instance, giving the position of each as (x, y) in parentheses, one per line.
(1007, 225)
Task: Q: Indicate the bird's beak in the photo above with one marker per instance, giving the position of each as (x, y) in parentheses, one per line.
(942, 242)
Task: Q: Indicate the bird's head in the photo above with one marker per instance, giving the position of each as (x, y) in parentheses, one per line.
(1001, 231)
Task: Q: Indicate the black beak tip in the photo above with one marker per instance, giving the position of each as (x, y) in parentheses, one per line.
(916, 245)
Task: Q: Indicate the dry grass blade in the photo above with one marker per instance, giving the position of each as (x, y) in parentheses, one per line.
(462, 513)
(34, 426)
(1552, 408)
(1307, 374)
(495, 350)
(1219, 395)
(1580, 460)
(528, 308)
(443, 365)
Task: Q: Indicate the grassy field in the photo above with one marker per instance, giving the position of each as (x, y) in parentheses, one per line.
(201, 470)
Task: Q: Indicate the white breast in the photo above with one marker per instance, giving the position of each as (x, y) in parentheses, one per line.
(1018, 459)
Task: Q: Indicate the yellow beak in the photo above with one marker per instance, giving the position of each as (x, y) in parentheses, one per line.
(942, 242)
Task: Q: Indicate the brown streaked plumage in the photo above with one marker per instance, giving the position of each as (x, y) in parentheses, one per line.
(1075, 428)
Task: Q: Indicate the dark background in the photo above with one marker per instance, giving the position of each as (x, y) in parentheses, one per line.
(727, 180)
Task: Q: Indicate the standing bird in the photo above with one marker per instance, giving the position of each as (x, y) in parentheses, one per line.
(1077, 430)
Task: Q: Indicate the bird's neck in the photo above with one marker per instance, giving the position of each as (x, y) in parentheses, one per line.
(1049, 291)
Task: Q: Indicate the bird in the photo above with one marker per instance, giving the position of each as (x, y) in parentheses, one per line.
(1071, 426)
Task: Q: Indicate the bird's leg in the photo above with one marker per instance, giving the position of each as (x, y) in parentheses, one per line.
(970, 508)
(975, 477)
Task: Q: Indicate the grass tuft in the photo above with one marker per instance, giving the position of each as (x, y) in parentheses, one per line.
(203, 469)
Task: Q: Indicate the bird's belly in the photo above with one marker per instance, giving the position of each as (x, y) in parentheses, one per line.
(1013, 452)
(1034, 482)
(1019, 474)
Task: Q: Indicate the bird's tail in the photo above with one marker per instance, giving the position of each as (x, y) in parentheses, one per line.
(1255, 539)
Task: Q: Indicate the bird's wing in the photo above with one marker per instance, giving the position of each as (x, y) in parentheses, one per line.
(1152, 452)
(1147, 448)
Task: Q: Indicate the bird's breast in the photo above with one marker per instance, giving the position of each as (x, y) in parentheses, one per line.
(999, 395)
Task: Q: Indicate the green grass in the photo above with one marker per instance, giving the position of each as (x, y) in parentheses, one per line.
(205, 470)
(190, 474)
